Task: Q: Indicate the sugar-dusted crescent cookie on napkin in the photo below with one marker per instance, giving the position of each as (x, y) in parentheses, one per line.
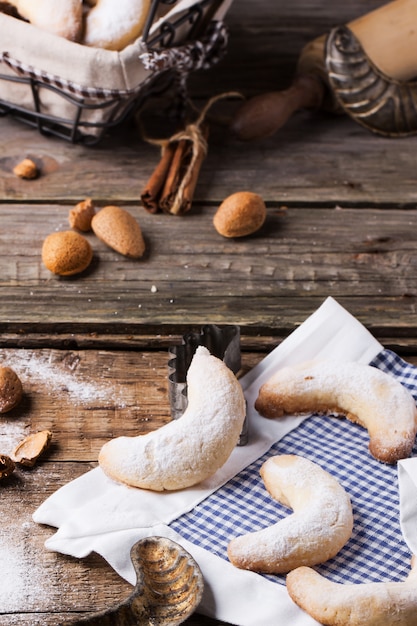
(96, 514)
(365, 394)
(319, 527)
(366, 604)
(186, 451)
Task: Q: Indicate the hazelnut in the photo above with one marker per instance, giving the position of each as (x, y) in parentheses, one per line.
(66, 253)
(240, 214)
(11, 390)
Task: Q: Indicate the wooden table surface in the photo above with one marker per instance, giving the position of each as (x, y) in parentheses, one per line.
(91, 350)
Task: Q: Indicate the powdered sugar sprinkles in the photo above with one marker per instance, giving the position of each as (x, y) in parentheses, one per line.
(52, 375)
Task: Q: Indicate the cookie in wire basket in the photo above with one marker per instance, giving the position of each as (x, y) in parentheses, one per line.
(78, 93)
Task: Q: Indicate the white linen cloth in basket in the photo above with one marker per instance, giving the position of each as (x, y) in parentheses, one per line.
(93, 513)
(76, 84)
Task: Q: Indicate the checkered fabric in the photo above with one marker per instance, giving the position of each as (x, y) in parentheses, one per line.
(200, 54)
(376, 551)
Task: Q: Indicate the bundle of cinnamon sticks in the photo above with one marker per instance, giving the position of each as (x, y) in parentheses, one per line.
(172, 184)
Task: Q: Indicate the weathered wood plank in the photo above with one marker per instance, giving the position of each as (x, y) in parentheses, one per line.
(87, 397)
(39, 586)
(269, 282)
(316, 158)
(403, 345)
(84, 398)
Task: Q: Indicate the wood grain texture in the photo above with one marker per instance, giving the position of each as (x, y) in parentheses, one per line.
(316, 157)
(319, 158)
(84, 398)
(92, 349)
(365, 258)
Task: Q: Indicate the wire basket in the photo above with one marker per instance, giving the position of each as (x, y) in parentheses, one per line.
(169, 49)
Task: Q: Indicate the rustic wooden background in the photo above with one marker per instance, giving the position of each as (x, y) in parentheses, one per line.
(92, 350)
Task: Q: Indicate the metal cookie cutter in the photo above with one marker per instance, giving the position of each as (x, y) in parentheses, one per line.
(222, 342)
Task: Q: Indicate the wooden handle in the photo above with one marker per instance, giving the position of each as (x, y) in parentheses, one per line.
(389, 38)
(263, 115)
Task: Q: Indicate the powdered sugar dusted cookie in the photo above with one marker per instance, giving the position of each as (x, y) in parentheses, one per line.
(113, 24)
(318, 528)
(366, 604)
(187, 450)
(364, 394)
(63, 18)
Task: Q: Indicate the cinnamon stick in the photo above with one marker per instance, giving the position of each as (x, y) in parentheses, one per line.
(152, 191)
(180, 161)
(179, 190)
(172, 184)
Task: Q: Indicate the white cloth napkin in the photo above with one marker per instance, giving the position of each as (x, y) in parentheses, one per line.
(92, 513)
(407, 481)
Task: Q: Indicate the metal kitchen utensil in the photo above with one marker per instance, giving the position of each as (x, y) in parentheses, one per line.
(222, 342)
(169, 588)
(381, 104)
(366, 69)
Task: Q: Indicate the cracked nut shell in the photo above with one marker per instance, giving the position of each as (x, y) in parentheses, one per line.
(26, 169)
(31, 447)
(11, 390)
(80, 216)
(7, 466)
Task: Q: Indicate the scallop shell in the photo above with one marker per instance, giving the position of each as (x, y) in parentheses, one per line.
(381, 104)
(169, 588)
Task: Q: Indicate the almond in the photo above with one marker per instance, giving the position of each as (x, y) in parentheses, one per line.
(240, 214)
(119, 230)
(11, 390)
(66, 253)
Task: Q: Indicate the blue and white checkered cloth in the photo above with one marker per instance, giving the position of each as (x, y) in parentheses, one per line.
(376, 552)
(94, 514)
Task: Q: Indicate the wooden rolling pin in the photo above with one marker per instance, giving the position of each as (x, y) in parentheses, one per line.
(388, 36)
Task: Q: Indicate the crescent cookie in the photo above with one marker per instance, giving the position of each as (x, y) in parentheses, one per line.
(113, 24)
(364, 394)
(188, 450)
(319, 527)
(366, 604)
(63, 18)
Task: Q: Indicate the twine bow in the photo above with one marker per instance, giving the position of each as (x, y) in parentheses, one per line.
(171, 186)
